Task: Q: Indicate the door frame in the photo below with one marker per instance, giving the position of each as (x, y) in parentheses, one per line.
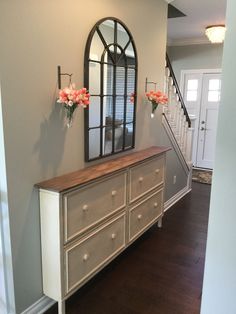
(195, 119)
(7, 292)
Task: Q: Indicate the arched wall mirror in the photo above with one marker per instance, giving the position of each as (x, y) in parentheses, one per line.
(110, 66)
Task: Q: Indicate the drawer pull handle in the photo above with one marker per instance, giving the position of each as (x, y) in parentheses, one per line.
(140, 217)
(113, 193)
(85, 257)
(85, 208)
(113, 236)
(140, 179)
(155, 204)
(157, 171)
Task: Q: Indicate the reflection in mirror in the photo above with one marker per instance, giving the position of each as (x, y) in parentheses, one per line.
(122, 36)
(111, 77)
(94, 74)
(128, 135)
(94, 140)
(131, 53)
(94, 116)
(107, 30)
(108, 79)
(129, 110)
(97, 47)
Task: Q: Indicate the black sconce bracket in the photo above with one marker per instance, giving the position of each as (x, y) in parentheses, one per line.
(149, 82)
(59, 75)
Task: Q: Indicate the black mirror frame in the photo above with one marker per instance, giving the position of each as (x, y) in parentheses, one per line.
(86, 84)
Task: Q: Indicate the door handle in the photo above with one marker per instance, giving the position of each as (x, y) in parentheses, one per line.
(202, 128)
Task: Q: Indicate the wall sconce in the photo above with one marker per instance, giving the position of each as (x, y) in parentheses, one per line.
(149, 82)
(216, 33)
(59, 75)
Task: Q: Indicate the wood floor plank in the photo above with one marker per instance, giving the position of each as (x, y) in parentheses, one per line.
(161, 273)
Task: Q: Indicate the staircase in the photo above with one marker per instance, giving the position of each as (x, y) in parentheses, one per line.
(176, 120)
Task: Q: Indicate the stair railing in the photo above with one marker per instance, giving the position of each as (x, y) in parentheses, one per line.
(175, 83)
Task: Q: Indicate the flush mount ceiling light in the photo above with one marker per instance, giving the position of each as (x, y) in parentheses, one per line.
(216, 33)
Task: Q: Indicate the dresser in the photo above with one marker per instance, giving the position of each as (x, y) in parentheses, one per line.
(90, 216)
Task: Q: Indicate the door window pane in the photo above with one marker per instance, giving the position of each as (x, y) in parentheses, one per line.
(213, 96)
(192, 85)
(192, 88)
(214, 84)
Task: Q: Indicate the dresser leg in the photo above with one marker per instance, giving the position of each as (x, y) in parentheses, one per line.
(61, 307)
(159, 223)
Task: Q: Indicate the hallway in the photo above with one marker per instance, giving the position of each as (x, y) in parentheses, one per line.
(161, 273)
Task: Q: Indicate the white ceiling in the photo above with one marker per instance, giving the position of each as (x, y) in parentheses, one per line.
(199, 15)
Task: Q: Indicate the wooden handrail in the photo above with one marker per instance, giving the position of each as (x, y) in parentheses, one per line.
(172, 74)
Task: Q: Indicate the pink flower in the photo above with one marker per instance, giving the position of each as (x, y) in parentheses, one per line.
(70, 96)
(132, 96)
(157, 97)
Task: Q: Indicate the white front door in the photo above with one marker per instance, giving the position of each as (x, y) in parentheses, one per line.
(211, 86)
(201, 92)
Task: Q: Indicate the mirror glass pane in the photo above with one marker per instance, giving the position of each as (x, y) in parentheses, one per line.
(119, 137)
(130, 81)
(108, 110)
(107, 31)
(94, 143)
(122, 36)
(130, 52)
(94, 78)
(94, 112)
(110, 76)
(108, 140)
(119, 110)
(129, 110)
(120, 80)
(129, 135)
(97, 48)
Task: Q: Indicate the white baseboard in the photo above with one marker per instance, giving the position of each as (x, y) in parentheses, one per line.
(40, 306)
(174, 199)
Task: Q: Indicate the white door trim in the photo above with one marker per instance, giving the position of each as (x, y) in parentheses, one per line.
(7, 296)
(200, 72)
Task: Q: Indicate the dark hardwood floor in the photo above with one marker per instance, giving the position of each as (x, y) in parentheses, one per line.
(161, 273)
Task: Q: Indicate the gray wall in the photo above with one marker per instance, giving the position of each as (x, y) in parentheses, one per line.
(38, 36)
(220, 268)
(195, 57)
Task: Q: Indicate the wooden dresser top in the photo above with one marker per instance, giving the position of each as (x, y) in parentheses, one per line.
(73, 179)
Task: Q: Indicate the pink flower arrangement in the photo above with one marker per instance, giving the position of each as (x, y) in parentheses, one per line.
(156, 98)
(72, 98)
(132, 96)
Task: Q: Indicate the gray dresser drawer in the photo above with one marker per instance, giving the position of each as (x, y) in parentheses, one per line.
(88, 255)
(87, 206)
(146, 177)
(144, 214)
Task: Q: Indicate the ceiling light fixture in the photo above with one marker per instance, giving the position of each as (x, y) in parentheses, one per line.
(215, 33)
